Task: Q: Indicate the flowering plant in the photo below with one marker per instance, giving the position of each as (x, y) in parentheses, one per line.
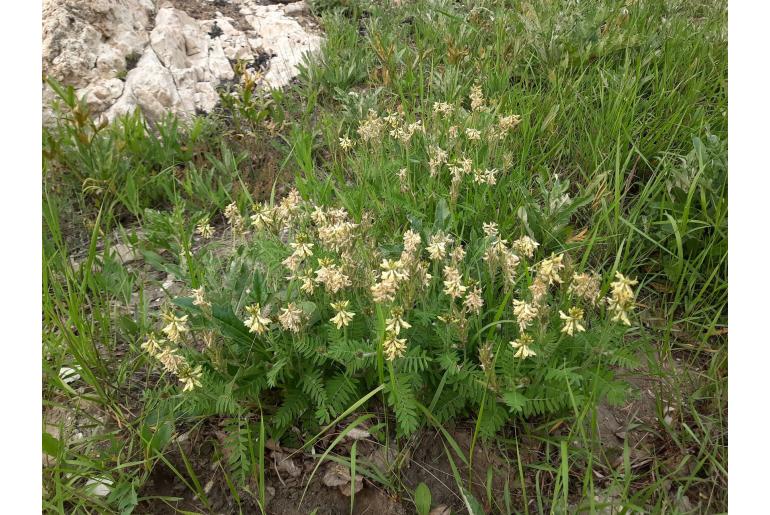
(317, 305)
(314, 309)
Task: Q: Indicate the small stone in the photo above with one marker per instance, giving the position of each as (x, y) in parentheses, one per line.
(100, 487)
(68, 375)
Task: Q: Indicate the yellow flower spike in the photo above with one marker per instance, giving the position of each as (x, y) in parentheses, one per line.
(256, 322)
(343, 317)
(522, 346)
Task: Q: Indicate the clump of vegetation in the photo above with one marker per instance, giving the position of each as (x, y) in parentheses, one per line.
(325, 305)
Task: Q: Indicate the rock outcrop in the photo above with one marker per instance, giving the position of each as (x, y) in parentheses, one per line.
(121, 55)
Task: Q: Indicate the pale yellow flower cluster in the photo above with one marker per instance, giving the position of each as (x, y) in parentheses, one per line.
(549, 268)
(173, 362)
(477, 99)
(393, 346)
(342, 317)
(302, 250)
(395, 272)
(289, 209)
(403, 180)
(437, 246)
(585, 286)
(405, 132)
(473, 134)
(291, 317)
(330, 275)
(525, 313)
(335, 230)
(523, 347)
(491, 230)
(505, 124)
(443, 108)
(263, 217)
(346, 143)
(371, 128)
(436, 158)
(235, 219)
(499, 256)
(486, 356)
(622, 298)
(488, 176)
(453, 285)
(175, 327)
(572, 321)
(473, 301)
(525, 246)
(256, 322)
(199, 298)
(204, 229)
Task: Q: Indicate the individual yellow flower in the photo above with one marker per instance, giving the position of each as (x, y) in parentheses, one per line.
(152, 346)
(572, 321)
(346, 143)
(393, 346)
(522, 346)
(343, 317)
(396, 322)
(175, 326)
(256, 322)
(291, 317)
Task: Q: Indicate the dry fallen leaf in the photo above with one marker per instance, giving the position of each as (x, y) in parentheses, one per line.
(357, 434)
(286, 464)
(336, 475)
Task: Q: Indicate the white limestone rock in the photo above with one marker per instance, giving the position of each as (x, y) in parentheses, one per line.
(179, 61)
